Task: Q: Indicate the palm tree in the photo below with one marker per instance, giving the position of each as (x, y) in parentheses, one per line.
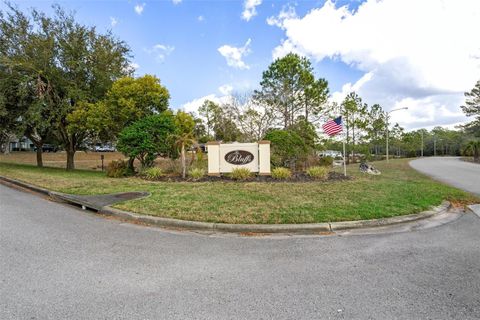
(184, 135)
(183, 140)
(473, 148)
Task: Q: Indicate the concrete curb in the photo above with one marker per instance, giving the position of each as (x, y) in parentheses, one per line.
(474, 208)
(26, 185)
(307, 228)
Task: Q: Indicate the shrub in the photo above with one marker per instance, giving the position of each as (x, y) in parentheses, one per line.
(325, 161)
(287, 147)
(147, 137)
(241, 174)
(196, 173)
(117, 169)
(318, 172)
(153, 173)
(281, 173)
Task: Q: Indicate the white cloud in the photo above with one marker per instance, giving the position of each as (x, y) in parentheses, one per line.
(139, 8)
(201, 18)
(287, 12)
(132, 67)
(250, 9)
(235, 55)
(161, 51)
(113, 21)
(226, 89)
(176, 1)
(417, 52)
(193, 105)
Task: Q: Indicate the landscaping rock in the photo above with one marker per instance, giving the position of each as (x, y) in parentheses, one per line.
(367, 168)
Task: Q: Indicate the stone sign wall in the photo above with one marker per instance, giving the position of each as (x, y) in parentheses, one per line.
(224, 157)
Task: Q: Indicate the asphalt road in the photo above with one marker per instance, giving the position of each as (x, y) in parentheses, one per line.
(58, 262)
(451, 170)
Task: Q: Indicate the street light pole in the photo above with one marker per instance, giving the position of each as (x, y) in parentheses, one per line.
(422, 143)
(435, 145)
(388, 115)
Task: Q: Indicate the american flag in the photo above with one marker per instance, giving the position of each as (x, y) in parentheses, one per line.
(332, 127)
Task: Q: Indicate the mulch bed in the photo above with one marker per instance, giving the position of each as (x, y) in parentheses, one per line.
(296, 177)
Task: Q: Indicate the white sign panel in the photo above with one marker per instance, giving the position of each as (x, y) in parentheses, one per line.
(236, 155)
(223, 158)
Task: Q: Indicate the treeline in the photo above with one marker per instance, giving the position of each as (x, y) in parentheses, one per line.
(66, 83)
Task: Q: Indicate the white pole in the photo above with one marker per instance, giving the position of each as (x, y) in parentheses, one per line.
(344, 162)
(422, 143)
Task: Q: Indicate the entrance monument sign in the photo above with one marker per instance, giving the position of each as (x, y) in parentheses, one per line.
(224, 157)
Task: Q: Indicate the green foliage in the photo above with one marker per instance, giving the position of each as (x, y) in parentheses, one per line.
(306, 131)
(281, 173)
(354, 117)
(325, 161)
(472, 148)
(286, 147)
(210, 111)
(472, 103)
(117, 169)
(241, 174)
(318, 172)
(290, 89)
(220, 124)
(147, 138)
(184, 123)
(196, 173)
(184, 137)
(128, 100)
(152, 173)
(60, 66)
(472, 108)
(376, 128)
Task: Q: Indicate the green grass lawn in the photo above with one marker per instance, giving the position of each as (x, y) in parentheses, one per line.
(399, 190)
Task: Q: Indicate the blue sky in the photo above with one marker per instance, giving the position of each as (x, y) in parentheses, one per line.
(397, 53)
(194, 67)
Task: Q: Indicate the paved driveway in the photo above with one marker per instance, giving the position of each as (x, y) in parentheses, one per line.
(58, 262)
(451, 170)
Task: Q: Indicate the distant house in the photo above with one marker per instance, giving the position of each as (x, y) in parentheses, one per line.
(330, 153)
(21, 144)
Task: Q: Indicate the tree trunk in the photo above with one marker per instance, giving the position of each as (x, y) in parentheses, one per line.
(38, 142)
(39, 157)
(70, 159)
(183, 161)
(131, 168)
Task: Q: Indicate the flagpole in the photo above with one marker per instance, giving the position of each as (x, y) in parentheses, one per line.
(344, 162)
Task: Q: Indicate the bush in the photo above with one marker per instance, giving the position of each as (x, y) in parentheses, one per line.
(287, 147)
(196, 173)
(117, 169)
(153, 173)
(241, 174)
(318, 172)
(325, 161)
(281, 173)
(147, 138)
